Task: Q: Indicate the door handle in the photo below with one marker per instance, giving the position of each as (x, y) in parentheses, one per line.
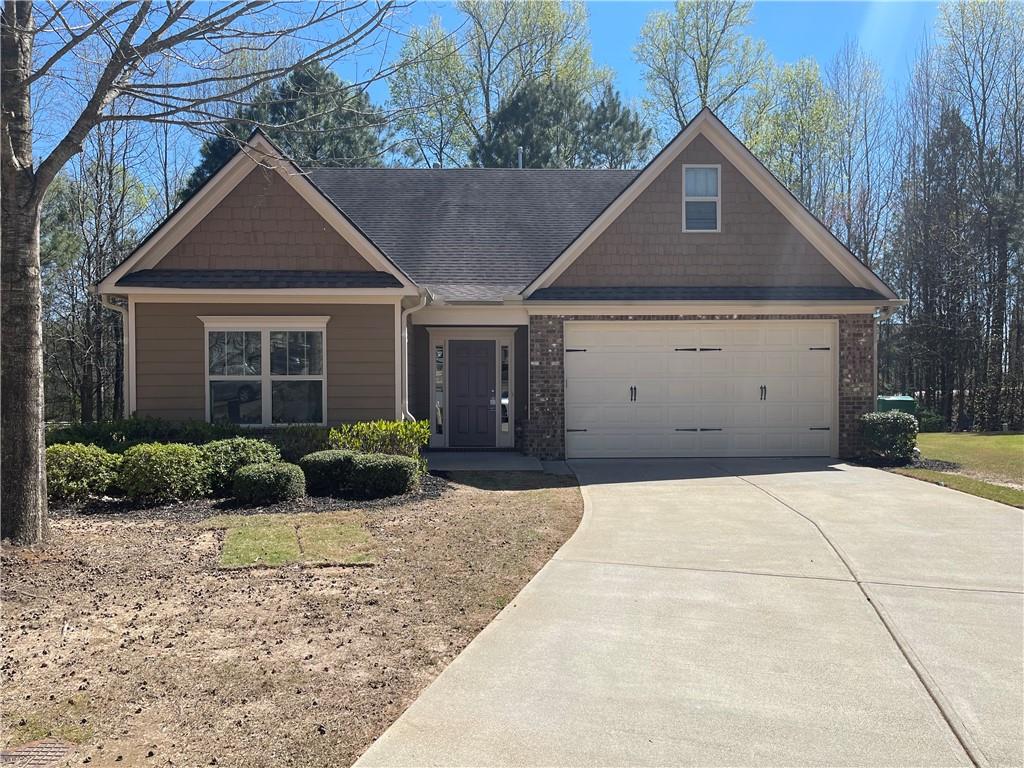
(636, 393)
(764, 392)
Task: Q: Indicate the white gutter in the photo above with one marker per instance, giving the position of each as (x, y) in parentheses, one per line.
(123, 311)
(425, 298)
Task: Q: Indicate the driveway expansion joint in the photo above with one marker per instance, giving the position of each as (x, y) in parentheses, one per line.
(931, 687)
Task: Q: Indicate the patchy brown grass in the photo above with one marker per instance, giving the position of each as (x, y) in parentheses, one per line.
(125, 635)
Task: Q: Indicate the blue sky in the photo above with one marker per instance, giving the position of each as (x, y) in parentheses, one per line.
(890, 32)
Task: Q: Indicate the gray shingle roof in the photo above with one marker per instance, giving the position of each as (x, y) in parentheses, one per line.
(256, 278)
(489, 231)
(710, 293)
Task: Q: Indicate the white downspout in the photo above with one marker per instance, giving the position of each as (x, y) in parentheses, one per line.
(123, 311)
(425, 299)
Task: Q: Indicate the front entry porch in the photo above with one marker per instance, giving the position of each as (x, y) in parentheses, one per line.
(472, 387)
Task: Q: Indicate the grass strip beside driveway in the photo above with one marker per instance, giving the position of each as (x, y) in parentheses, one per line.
(997, 457)
(328, 538)
(973, 486)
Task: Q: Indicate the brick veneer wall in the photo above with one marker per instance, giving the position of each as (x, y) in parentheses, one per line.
(545, 428)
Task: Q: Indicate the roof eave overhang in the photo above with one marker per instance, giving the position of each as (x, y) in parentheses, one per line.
(717, 307)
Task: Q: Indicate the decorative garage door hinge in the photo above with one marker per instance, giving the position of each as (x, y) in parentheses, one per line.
(819, 349)
(820, 429)
(575, 430)
(575, 350)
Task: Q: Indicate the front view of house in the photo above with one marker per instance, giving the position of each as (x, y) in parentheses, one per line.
(693, 308)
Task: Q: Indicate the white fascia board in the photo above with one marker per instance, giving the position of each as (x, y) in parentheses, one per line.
(648, 308)
(481, 314)
(276, 294)
(257, 152)
(280, 297)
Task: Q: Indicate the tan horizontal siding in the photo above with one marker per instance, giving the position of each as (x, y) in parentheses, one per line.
(645, 246)
(171, 352)
(264, 224)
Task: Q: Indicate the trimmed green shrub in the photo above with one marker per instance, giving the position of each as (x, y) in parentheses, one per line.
(121, 434)
(297, 440)
(269, 482)
(376, 475)
(164, 472)
(328, 473)
(225, 457)
(75, 471)
(930, 421)
(395, 438)
(890, 436)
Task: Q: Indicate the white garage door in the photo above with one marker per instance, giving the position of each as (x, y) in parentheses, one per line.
(637, 388)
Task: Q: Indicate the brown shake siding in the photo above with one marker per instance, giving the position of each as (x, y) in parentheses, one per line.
(263, 224)
(170, 354)
(646, 246)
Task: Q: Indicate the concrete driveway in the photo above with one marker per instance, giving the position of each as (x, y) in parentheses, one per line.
(746, 612)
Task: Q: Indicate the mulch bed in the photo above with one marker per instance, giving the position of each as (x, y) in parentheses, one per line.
(122, 635)
(430, 487)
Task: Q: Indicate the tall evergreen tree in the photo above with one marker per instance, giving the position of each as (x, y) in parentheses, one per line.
(558, 127)
(312, 115)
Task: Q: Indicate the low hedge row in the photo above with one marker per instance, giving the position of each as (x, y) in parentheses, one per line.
(249, 469)
(349, 474)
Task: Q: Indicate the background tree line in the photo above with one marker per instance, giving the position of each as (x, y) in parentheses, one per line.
(925, 186)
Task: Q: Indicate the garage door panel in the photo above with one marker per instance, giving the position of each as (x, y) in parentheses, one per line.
(717, 392)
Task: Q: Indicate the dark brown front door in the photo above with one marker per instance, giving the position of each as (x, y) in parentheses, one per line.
(472, 406)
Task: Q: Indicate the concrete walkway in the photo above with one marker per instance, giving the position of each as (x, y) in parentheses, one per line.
(481, 461)
(757, 612)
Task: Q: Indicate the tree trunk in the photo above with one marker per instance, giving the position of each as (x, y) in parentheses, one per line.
(23, 479)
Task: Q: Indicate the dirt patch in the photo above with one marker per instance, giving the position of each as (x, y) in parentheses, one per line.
(122, 632)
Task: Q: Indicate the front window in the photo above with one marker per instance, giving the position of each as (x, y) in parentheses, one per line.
(266, 371)
(701, 198)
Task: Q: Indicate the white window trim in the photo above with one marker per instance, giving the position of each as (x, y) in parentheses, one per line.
(717, 199)
(265, 325)
(501, 337)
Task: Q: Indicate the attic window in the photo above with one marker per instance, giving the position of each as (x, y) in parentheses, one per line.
(702, 197)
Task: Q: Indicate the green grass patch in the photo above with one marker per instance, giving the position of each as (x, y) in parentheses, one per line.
(994, 456)
(329, 538)
(973, 486)
(62, 721)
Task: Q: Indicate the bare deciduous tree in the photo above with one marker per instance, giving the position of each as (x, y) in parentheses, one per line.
(104, 58)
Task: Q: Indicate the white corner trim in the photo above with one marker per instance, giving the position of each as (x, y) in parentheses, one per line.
(706, 124)
(257, 152)
(279, 322)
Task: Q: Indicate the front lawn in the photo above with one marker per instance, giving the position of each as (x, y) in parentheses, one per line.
(128, 635)
(987, 465)
(996, 457)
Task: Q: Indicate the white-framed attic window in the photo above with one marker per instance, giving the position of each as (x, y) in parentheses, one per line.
(702, 198)
(266, 371)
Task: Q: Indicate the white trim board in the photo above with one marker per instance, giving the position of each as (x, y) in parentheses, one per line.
(258, 151)
(708, 125)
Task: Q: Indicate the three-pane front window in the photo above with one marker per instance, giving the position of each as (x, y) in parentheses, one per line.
(266, 375)
(701, 198)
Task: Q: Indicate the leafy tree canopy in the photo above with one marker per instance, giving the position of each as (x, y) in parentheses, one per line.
(558, 127)
(312, 115)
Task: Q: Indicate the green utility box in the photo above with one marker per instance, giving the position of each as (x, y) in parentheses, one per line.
(904, 403)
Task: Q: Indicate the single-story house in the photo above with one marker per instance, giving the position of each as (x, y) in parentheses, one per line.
(693, 308)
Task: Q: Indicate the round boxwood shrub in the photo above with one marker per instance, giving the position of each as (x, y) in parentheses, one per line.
(328, 473)
(890, 436)
(375, 475)
(75, 471)
(225, 457)
(164, 472)
(269, 482)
